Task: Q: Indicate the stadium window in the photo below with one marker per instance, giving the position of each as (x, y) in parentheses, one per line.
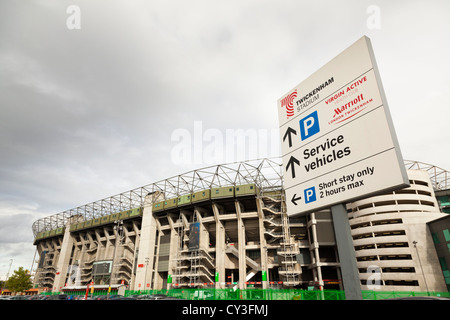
(435, 238)
(446, 234)
(443, 263)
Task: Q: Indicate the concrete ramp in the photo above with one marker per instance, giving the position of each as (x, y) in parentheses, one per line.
(250, 262)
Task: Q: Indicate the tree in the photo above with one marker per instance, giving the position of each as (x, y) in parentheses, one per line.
(19, 281)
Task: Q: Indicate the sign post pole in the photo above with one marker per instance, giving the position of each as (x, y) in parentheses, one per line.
(346, 250)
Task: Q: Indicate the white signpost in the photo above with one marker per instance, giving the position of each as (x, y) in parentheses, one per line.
(338, 141)
(339, 145)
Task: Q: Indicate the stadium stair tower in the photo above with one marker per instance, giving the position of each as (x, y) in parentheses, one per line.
(278, 231)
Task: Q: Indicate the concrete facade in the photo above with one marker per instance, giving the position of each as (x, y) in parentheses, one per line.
(440, 232)
(246, 241)
(394, 249)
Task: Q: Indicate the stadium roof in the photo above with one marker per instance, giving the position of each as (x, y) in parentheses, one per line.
(266, 173)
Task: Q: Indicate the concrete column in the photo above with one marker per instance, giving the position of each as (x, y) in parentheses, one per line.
(136, 251)
(63, 261)
(157, 279)
(314, 246)
(115, 257)
(220, 248)
(175, 241)
(99, 245)
(241, 246)
(262, 242)
(146, 245)
(347, 258)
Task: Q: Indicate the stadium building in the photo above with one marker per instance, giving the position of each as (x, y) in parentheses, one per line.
(226, 226)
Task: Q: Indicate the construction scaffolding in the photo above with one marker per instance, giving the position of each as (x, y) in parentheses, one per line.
(278, 230)
(265, 173)
(193, 263)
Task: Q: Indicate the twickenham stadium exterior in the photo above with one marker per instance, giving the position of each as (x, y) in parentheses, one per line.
(226, 226)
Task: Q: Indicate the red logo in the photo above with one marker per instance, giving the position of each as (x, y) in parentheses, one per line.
(288, 103)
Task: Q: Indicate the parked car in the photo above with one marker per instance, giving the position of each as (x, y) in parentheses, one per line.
(19, 298)
(152, 297)
(57, 297)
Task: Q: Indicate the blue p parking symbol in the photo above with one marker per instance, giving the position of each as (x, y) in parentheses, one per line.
(309, 125)
(310, 195)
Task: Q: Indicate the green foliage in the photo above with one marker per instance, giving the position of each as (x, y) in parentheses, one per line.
(20, 281)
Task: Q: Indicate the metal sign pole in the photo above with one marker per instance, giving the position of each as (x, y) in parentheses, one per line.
(346, 250)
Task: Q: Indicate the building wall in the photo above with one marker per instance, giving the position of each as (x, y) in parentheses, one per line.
(384, 229)
(49, 251)
(440, 232)
(73, 256)
(239, 240)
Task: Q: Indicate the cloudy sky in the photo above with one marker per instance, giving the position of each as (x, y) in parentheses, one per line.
(99, 97)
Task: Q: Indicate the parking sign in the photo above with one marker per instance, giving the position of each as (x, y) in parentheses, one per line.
(338, 140)
(309, 125)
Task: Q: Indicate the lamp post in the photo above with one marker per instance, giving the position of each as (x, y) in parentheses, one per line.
(145, 275)
(420, 262)
(118, 227)
(9, 269)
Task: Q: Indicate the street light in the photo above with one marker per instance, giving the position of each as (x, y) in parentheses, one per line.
(145, 275)
(10, 263)
(423, 273)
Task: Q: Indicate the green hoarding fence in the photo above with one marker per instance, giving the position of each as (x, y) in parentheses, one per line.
(280, 294)
(264, 294)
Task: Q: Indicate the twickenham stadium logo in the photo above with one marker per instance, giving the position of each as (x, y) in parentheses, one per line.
(288, 103)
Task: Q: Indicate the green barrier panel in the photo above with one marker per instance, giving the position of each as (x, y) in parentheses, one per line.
(201, 196)
(279, 294)
(184, 200)
(170, 203)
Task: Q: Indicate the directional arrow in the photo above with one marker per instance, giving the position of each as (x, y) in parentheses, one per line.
(288, 134)
(291, 162)
(294, 199)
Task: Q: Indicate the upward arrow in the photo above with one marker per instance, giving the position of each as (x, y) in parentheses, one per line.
(290, 163)
(288, 134)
